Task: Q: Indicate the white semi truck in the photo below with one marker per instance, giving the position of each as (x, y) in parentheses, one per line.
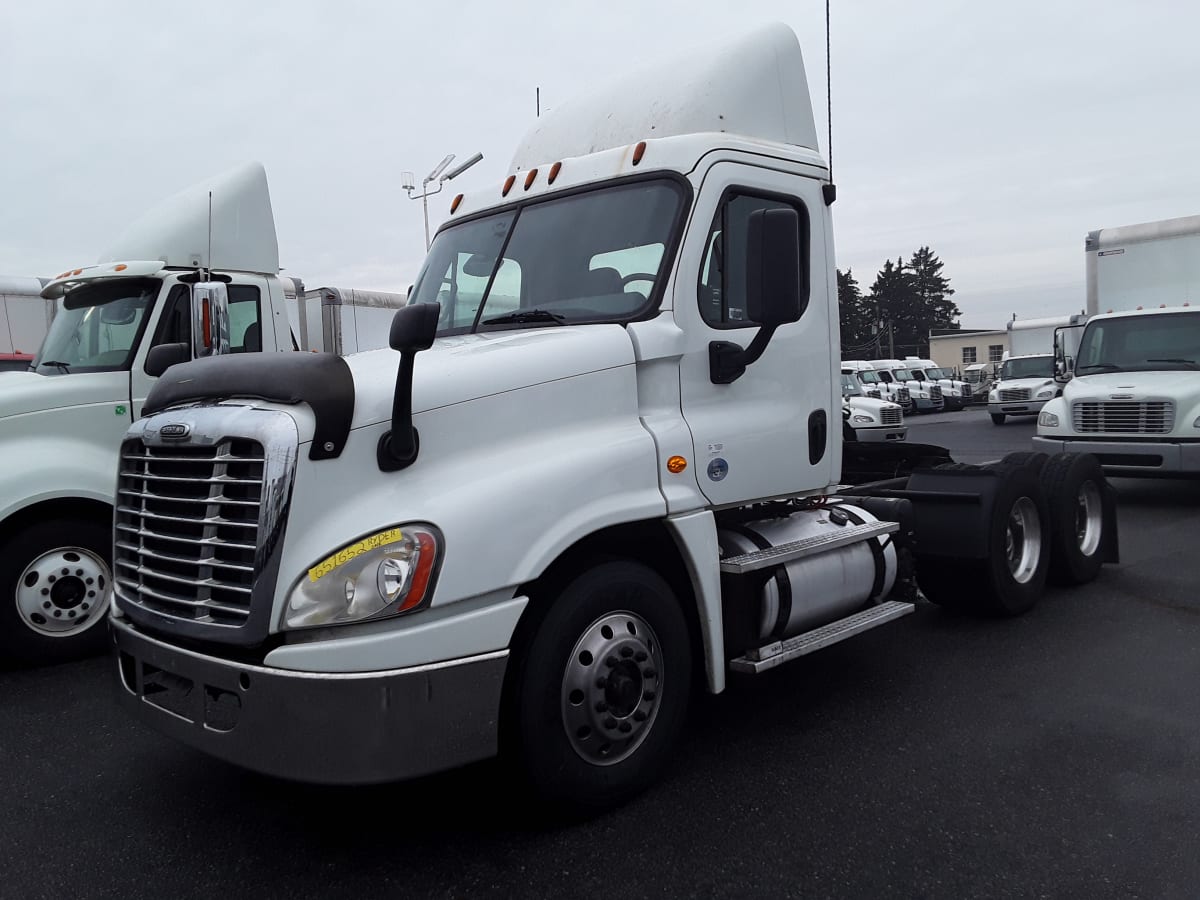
(1026, 379)
(1134, 400)
(956, 392)
(601, 463)
(926, 393)
(122, 322)
(870, 418)
(880, 385)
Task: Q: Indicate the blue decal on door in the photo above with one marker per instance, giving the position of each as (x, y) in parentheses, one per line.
(717, 469)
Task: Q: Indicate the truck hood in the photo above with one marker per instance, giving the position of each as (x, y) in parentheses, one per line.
(467, 367)
(1133, 385)
(1034, 384)
(22, 393)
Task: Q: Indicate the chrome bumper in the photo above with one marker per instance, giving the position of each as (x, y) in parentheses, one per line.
(354, 728)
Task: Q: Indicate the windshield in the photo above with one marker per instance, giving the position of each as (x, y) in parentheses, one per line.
(97, 327)
(1141, 344)
(597, 256)
(868, 377)
(1029, 367)
(850, 386)
(939, 373)
(903, 375)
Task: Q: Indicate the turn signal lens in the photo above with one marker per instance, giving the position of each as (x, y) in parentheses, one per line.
(508, 183)
(529, 178)
(638, 152)
(554, 174)
(455, 203)
(676, 464)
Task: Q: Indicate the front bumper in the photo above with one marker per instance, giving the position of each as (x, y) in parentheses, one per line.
(925, 404)
(354, 728)
(1017, 408)
(1130, 457)
(882, 433)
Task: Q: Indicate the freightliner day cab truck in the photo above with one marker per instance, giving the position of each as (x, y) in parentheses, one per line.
(606, 464)
(1027, 380)
(121, 323)
(1134, 400)
(870, 418)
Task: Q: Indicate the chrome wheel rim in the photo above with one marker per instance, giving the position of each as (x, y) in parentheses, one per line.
(612, 688)
(1023, 540)
(63, 592)
(1089, 518)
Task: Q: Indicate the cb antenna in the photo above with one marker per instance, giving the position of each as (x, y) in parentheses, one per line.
(209, 276)
(829, 190)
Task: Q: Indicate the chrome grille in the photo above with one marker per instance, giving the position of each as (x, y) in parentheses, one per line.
(187, 527)
(1123, 416)
(935, 392)
(966, 391)
(1012, 395)
(890, 416)
(903, 395)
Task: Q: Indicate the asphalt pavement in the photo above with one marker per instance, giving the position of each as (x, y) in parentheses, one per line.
(940, 756)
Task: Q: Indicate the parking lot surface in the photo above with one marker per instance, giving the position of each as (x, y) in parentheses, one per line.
(940, 756)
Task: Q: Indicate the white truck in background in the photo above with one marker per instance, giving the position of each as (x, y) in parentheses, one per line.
(25, 316)
(1026, 378)
(601, 462)
(926, 394)
(870, 418)
(344, 320)
(956, 392)
(1134, 398)
(877, 385)
(120, 324)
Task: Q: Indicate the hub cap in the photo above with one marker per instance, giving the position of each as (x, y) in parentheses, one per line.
(611, 688)
(1088, 518)
(1023, 540)
(63, 591)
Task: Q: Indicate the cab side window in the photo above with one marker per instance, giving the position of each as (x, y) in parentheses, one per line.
(245, 324)
(722, 287)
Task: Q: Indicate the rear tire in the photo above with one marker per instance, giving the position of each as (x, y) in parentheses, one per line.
(601, 688)
(997, 418)
(1074, 492)
(55, 581)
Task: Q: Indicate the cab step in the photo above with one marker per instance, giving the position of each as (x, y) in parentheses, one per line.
(779, 652)
(810, 546)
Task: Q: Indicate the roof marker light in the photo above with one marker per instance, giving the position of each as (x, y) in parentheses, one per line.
(454, 204)
(638, 152)
(554, 172)
(508, 183)
(77, 272)
(1162, 306)
(529, 179)
(120, 267)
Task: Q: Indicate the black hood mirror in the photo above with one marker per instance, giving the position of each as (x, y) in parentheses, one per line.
(414, 328)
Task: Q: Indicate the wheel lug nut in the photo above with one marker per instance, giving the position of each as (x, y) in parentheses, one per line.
(52, 579)
(626, 652)
(639, 716)
(640, 657)
(610, 722)
(46, 604)
(610, 661)
(89, 581)
(66, 571)
(648, 695)
(91, 593)
(45, 591)
(601, 706)
(625, 728)
(79, 573)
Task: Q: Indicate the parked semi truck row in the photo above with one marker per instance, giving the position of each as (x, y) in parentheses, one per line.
(122, 322)
(603, 464)
(1131, 395)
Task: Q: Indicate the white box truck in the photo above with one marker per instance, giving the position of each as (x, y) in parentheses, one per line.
(344, 320)
(601, 462)
(25, 316)
(164, 293)
(1134, 400)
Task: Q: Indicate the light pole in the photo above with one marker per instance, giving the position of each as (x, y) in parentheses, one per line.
(408, 182)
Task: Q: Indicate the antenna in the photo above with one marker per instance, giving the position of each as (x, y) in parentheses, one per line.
(829, 191)
(209, 260)
(538, 96)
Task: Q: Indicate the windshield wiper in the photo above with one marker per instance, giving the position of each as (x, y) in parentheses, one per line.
(1108, 367)
(525, 315)
(1185, 362)
(56, 364)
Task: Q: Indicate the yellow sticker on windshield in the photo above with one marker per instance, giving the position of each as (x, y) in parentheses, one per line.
(327, 565)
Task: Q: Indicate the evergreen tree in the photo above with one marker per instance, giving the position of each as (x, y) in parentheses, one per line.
(854, 316)
(914, 298)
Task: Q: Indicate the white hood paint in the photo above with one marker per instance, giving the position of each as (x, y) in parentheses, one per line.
(23, 393)
(1141, 385)
(466, 367)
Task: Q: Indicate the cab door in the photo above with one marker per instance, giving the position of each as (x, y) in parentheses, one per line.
(771, 432)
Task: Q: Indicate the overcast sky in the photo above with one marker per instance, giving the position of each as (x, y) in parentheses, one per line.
(998, 134)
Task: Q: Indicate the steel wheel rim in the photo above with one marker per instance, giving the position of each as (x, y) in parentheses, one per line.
(611, 688)
(1023, 540)
(63, 592)
(1089, 517)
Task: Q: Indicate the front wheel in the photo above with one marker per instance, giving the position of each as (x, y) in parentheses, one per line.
(997, 418)
(601, 687)
(55, 580)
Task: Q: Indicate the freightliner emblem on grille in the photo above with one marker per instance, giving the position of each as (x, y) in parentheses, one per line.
(175, 432)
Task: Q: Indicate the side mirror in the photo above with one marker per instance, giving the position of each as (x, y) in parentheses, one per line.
(413, 329)
(210, 319)
(162, 357)
(774, 289)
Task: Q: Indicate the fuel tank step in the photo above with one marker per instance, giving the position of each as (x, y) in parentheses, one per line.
(810, 546)
(779, 652)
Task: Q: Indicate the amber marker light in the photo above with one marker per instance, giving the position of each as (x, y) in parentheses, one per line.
(638, 152)
(676, 464)
(553, 172)
(508, 183)
(530, 178)
(121, 267)
(454, 204)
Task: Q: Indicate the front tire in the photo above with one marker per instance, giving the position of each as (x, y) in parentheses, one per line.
(55, 581)
(1074, 491)
(601, 687)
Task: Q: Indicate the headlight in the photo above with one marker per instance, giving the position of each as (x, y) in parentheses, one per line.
(1196, 424)
(1045, 394)
(994, 395)
(1050, 420)
(381, 575)
(862, 420)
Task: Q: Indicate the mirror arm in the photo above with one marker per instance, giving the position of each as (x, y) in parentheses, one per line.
(398, 448)
(727, 361)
